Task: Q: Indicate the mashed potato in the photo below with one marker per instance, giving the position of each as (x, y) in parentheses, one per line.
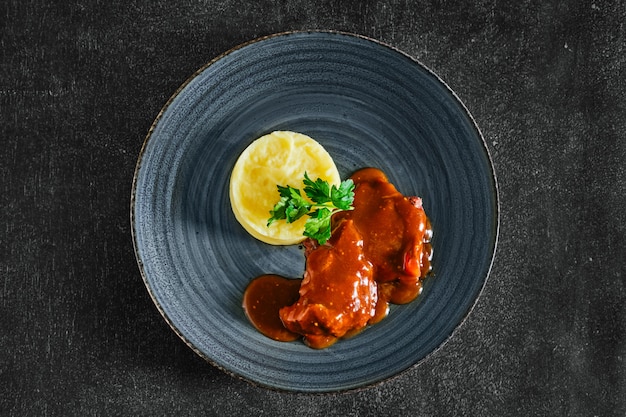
(279, 158)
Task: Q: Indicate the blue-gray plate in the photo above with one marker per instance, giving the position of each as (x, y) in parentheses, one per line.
(369, 105)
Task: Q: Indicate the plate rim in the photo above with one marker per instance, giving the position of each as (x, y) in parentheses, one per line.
(493, 186)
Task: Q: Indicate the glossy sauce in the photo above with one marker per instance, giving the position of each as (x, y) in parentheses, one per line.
(338, 295)
(264, 297)
(396, 237)
(378, 254)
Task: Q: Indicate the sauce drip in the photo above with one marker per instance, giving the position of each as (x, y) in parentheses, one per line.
(378, 254)
(264, 297)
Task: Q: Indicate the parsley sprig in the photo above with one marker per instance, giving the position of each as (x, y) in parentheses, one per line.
(324, 202)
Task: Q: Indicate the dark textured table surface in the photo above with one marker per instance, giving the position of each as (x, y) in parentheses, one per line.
(81, 83)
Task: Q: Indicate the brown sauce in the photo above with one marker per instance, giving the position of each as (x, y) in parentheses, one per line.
(396, 235)
(264, 297)
(338, 294)
(378, 254)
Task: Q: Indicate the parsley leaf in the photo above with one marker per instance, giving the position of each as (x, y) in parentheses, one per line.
(325, 201)
(318, 191)
(290, 207)
(343, 196)
(318, 225)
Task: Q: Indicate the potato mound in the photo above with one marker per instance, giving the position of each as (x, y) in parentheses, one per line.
(279, 158)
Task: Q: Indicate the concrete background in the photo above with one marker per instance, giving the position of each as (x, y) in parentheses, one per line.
(81, 83)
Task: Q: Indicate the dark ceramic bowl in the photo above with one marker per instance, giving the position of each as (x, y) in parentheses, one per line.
(369, 105)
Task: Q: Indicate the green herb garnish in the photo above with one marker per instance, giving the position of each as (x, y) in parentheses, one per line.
(324, 202)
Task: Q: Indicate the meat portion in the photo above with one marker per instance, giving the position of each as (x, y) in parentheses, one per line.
(378, 254)
(396, 235)
(338, 294)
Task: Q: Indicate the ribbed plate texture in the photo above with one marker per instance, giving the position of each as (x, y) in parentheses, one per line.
(369, 105)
